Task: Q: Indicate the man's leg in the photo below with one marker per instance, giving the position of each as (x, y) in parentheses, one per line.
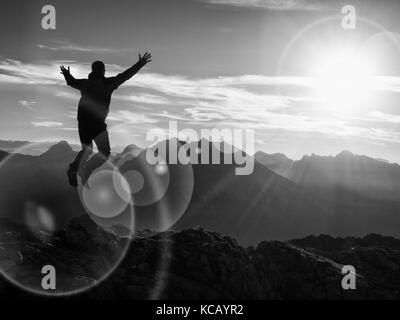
(81, 157)
(103, 145)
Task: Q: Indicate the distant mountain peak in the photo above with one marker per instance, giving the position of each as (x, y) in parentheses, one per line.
(273, 157)
(62, 148)
(345, 154)
(280, 156)
(131, 148)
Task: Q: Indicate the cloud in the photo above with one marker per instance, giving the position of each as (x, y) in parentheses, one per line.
(130, 117)
(232, 90)
(16, 72)
(385, 117)
(144, 98)
(47, 124)
(69, 129)
(387, 84)
(42, 73)
(27, 104)
(167, 115)
(73, 47)
(68, 95)
(271, 4)
(254, 101)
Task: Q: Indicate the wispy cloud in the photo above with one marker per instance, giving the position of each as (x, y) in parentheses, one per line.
(73, 47)
(271, 4)
(42, 73)
(47, 124)
(27, 104)
(143, 98)
(130, 117)
(68, 95)
(69, 129)
(14, 71)
(245, 100)
(385, 117)
(387, 84)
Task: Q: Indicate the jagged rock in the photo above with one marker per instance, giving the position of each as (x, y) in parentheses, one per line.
(82, 232)
(198, 264)
(206, 265)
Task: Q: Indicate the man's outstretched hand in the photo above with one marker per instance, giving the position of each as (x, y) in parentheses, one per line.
(64, 71)
(145, 59)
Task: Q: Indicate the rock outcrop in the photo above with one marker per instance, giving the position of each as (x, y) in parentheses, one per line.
(199, 264)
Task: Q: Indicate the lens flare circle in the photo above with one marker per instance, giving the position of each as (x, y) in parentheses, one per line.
(135, 181)
(42, 222)
(108, 195)
(161, 192)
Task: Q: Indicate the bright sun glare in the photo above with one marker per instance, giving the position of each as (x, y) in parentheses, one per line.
(344, 81)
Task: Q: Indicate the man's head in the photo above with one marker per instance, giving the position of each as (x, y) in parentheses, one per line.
(98, 68)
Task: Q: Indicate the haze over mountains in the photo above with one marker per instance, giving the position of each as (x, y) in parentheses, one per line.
(347, 195)
(361, 175)
(37, 148)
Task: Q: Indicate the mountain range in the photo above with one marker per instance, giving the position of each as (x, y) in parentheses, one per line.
(346, 195)
(232, 240)
(359, 175)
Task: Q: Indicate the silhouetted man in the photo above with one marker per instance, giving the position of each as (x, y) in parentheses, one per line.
(93, 109)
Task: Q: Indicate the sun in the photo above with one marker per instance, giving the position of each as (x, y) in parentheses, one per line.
(343, 81)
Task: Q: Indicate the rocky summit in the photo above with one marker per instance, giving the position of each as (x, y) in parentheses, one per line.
(199, 264)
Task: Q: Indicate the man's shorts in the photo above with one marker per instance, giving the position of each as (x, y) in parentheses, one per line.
(96, 132)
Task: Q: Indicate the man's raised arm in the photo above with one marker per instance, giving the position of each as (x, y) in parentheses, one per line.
(71, 81)
(129, 73)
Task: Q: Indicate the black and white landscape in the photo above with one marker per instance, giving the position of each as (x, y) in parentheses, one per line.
(307, 92)
(245, 231)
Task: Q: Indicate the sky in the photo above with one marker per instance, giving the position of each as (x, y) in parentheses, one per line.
(286, 69)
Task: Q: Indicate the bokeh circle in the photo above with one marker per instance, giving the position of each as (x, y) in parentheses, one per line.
(43, 223)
